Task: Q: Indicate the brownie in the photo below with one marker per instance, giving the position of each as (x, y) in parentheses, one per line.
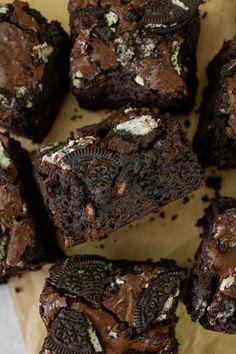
(92, 305)
(212, 292)
(20, 248)
(34, 56)
(115, 172)
(215, 141)
(138, 53)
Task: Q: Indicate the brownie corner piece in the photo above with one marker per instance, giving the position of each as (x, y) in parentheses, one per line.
(34, 57)
(215, 140)
(134, 53)
(95, 305)
(212, 292)
(115, 172)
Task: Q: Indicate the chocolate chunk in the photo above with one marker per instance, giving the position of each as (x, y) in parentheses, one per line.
(71, 334)
(85, 277)
(153, 303)
(167, 16)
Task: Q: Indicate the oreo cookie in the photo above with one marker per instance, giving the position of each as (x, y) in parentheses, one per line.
(159, 299)
(72, 333)
(84, 276)
(166, 16)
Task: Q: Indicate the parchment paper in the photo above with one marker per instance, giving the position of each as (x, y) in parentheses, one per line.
(148, 238)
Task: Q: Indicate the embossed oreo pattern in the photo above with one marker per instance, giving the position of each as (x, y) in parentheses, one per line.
(153, 298)
(85, 276)
(97, 168)
(69, 334)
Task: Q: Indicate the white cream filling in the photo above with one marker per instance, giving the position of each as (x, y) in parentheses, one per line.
(180, 4)
(43, 52)
(138, 126)
(167, 306)
(94, 338)
(111, 19)
(71, 146)
(175, 49)
(4, 8)
(5, 162)
(77, 78)
(227, 283)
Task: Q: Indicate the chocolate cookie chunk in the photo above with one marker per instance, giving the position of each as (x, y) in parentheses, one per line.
(212, 293)
(128, 292)
(138, 53)
(215, 141)
(22, 218)
(34, 57)
(114, 173)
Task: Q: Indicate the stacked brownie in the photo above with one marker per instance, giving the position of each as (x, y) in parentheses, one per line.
(92, 305)
(34, 57)
(138, 53)
(115, 172)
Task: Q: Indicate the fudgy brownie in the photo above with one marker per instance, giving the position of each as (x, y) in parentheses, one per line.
(212, 293)
(19, 234)
(215, 141)
(115, 172)
(138, 53)
(34, 62)
(92, 305)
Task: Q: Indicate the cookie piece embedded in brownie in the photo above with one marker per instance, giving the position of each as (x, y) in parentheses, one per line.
(115, 172)
(215, 141)
(212, 292)
(34, 56)
(92, 305)
(135, 53)
(20, 247)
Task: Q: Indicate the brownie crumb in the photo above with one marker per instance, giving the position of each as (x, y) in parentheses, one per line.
(174, 217)
(204, 15)
(187, 123)
(189, 260)
(18, 289)
(152, 219)
(205, 198)
(76, 117)
(186, 200)
(213, 182)
(102, 246)
(162, 215)
(200, 222)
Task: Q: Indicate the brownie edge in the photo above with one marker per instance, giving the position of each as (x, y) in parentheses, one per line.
(212, 292)
(92, 305)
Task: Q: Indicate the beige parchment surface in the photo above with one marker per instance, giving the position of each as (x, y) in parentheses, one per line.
(147, 238)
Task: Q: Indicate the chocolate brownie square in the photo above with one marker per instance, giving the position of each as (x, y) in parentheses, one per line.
(92, 305)
(212, 292)
(20, 246)
(215, 141)
(115, 172)
(34, 65)
(138, 53)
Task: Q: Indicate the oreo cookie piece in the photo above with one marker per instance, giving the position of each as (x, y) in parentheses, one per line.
(72, 333)
(127, 291)
(168, 15)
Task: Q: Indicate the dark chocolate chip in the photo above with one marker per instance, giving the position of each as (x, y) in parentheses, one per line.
(151, 303)
(70, 334)
(84, 276)
(229, 69)
(165, 16)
